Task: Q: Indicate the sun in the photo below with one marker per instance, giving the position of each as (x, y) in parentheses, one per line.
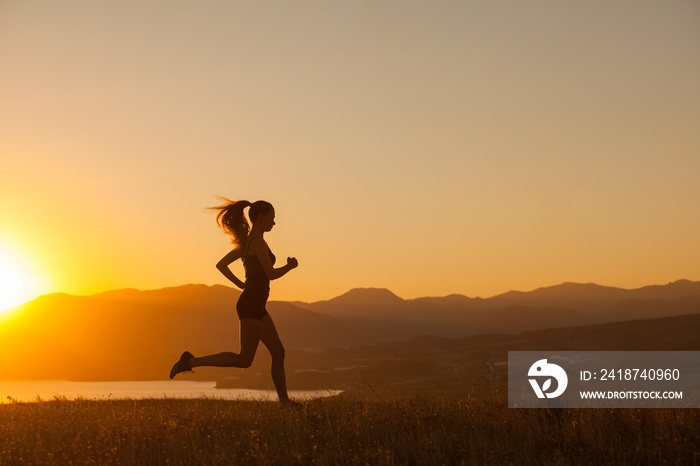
(17, 283)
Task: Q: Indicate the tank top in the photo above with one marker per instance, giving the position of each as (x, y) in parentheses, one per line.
(255, 276)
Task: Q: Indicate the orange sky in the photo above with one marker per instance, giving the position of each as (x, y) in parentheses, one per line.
(426, 147)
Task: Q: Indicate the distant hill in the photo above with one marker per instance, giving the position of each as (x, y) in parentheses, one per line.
(385, 316)
(360, 303)
(635, 308)
(129, 333)
(133, 334)
(476, 364)
(591, 298)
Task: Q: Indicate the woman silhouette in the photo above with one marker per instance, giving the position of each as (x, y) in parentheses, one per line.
(255, 323)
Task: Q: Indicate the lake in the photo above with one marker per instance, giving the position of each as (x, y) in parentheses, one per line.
(33, 390)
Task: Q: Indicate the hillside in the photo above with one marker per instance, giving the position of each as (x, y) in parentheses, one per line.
(476, 363)
(131, 334)
(384, 316)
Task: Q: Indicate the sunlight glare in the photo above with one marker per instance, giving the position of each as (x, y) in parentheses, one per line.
(18, 284)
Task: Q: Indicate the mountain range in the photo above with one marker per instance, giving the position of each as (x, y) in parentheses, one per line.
(380, 315)
(131, 334)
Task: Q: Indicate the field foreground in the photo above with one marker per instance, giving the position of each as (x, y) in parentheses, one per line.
(421, 429)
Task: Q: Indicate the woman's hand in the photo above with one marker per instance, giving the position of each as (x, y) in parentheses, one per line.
(292, 262)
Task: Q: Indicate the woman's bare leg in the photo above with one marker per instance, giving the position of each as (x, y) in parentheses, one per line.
(250, 331)
(271, 340)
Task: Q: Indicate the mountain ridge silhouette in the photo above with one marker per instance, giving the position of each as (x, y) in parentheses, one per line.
(675, 288)
(130, 334)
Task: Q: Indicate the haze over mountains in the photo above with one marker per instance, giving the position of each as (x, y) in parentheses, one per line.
(127, 334)
(381, 315)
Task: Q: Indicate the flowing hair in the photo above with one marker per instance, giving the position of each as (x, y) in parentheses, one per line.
(232, 220)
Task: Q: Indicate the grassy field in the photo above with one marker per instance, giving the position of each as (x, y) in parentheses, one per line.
(412, 429)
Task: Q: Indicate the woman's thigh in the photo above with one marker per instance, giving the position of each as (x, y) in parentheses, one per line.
(250, 334)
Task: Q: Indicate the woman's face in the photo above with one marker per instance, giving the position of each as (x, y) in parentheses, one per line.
(267, 221)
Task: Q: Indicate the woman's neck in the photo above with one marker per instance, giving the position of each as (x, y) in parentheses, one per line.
(256, 231)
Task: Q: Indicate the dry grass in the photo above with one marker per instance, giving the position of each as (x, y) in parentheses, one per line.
(421, 429)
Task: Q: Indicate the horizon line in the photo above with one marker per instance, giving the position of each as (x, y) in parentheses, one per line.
(350, 290)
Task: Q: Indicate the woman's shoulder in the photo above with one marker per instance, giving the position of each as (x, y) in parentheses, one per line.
(256, 239)
(256, 242)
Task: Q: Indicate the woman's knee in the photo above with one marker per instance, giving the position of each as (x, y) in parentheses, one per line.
(246, 360)
(278, 354)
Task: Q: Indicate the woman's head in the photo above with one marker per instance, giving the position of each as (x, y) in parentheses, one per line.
(262, 214)
(231, 218)
(261, 211)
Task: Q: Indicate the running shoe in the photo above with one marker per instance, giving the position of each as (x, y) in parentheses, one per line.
(183, 365)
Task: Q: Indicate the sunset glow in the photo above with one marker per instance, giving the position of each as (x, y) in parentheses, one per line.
(428, 148)
(452, 183)
(18, 283)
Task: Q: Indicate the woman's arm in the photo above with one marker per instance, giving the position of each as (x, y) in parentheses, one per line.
(260, 249)
(223, 264)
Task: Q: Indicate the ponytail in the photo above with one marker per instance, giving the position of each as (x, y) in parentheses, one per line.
(231, 218)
